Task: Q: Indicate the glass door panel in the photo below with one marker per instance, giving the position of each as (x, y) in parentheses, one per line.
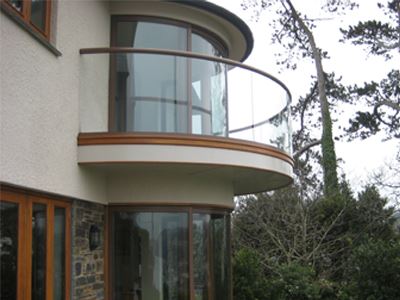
(201, 256)
(209, 111)
(220, 253)
(150, 90)
(150, 256)
(8, 249)
(59, 254)
(39, 230)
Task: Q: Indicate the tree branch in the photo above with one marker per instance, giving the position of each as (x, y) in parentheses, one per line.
(299, 152)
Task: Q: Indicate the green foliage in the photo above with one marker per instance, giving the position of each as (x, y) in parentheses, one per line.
(306, 249)
(383, 101)
(372, 33)
(249, 280)
(374, 270)
(382, 98)
(293, 281)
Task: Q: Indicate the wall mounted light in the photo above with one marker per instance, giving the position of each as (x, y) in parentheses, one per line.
(94, 237)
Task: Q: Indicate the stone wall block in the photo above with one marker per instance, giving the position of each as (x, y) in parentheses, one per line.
(88, 265)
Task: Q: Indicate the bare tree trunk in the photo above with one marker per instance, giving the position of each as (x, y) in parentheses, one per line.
(329, 164)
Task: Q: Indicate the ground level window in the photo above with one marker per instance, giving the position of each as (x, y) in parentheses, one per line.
(164, 254)
(34, 246)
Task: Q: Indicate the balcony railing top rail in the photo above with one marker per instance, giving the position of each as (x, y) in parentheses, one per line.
(102, 50)
(209, 95)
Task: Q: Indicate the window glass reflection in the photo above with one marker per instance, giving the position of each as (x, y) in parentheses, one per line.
(209, 98)
(17, 4)
(203, 46)
(150, 256)
(211, 256)
(38, 251)
(38, 14)
(201, 270)
(59, 254)
(220, 252)
(8, 250)
(151, 93)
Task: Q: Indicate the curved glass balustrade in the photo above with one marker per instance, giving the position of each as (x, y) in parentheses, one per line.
(164, 91)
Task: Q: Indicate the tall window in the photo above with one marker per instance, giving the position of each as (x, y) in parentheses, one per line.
(34, 13)
(34, 247)
(153, 92)
(167, 254)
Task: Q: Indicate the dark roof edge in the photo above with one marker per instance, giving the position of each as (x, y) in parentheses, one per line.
(227, 15)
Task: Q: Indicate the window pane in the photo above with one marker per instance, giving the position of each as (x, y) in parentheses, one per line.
(209, 114)
(17, 4)
(218, 226)
(151, 90)
(59, 254)
(150, 256)
(38, 13)
(201, 45)
(151, 35)
(8, 250)
(210, 256)
(151, 93)
(38, 251)
(201, 256)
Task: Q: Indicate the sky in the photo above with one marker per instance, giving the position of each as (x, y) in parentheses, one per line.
(359, 158)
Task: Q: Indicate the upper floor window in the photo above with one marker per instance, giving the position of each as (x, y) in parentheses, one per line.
(152, 92)
(34, 13)
(147, 32)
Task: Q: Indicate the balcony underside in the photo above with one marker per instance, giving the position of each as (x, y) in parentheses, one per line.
(250, 167)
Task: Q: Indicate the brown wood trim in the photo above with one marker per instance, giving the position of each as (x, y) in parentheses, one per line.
(4, 186)
(103, 50)
(89, 139)
(48, 18)
(171, 206)
(26, 199)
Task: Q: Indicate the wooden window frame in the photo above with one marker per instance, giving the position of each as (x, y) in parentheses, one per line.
(25, 15)
(25, 201)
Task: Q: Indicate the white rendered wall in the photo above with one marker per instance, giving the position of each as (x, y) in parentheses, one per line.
(39, 112)
(162, 188)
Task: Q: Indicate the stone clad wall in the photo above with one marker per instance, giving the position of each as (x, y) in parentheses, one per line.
(87, 265)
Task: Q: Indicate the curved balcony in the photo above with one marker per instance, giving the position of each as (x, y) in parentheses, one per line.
(238, 116)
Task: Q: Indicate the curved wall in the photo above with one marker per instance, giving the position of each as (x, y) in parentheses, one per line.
(164, 187)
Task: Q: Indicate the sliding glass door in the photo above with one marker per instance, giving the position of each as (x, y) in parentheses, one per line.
(169, 255)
